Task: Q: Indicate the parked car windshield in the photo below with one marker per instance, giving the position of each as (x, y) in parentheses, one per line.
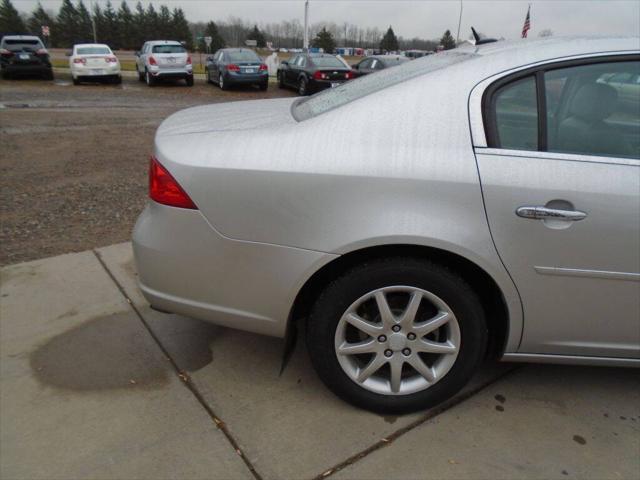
(93, 51)
(242, 56)
(331, 62)
(20, 44)
(309, 107)
(168, 49)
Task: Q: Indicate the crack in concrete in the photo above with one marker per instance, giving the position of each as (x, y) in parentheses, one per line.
(388, 440)
(182, 375)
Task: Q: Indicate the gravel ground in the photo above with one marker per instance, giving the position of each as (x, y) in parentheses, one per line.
(73, 160)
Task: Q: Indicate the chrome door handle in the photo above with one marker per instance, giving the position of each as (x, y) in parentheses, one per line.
(544, 213)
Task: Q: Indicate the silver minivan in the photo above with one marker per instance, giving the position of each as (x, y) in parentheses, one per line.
(164, 59)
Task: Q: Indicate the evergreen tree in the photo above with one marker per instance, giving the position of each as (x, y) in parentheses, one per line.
(111, 34)
(37, 20)
(127, 38)
(164, 23)
(258, 36)
(151, 18)
(389, 42)
(447, 41)
(140, 32)
(217, 42)
(10, 19)
(181, 30)
(85, 27)
(67, 23)
(324, 40)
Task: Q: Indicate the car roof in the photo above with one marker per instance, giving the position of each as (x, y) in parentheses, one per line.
(164, 42)
(237, 49)
(91, 45)
(20, 37)
(388, 57)
(318, 54)
(526, 51)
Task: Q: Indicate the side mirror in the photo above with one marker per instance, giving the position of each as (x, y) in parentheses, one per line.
(285, 63)
(210, 59)
(68, 54)
(356, 66)
(136, 53)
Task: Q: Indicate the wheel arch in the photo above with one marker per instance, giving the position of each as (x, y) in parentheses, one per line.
(490, 294)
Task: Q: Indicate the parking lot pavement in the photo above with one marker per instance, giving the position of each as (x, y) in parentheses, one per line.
(84, 390)
(72, 343)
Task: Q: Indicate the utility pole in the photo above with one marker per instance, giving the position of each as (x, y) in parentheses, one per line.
(92, 13)
(459, 22)
(306, 26)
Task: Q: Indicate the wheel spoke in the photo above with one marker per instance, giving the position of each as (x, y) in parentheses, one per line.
(388, 319)
(361, 324)
(366, 346)
(396, 374)
(423, 328)
(372, 367)
(409, 315)
(427, 372)
(428, 346)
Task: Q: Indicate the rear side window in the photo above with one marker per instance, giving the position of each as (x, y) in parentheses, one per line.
(516, 115)
(309, 107)
(583, 108)
(168, 49)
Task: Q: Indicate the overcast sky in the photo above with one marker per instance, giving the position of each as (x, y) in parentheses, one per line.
(425, 19)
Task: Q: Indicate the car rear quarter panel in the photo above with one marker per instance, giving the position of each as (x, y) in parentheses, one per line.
(394, 167)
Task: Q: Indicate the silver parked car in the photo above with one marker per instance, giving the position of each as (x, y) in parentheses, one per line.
(164, 60)
(480, 201)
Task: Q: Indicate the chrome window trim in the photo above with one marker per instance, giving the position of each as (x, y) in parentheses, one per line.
(572, 157)
(476, 121)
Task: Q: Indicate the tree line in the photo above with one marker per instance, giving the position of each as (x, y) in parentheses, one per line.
(123, 27)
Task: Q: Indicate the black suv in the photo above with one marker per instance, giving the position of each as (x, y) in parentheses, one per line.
(24, 55)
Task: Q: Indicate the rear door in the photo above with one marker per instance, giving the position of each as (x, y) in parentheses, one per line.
(561, 183)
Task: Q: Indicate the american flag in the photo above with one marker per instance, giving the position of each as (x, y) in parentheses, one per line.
(527, 23)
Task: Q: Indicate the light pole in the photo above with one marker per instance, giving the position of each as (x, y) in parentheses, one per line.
(459, 22)
(93, 21)
(305, 44)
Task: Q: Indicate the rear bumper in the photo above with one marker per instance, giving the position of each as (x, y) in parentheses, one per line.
(97, 72)
(170, 72)
(186, 267)
(25, 69)
(318, 85)
(244, 79)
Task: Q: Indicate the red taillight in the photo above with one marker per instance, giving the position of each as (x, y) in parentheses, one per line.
(232, 67)
(348, 75)
(111, 59)
(152, 61)
(79, 60)
(263, 68)
(320, 75)
(6, 53)
(189, 60)
(164, 189)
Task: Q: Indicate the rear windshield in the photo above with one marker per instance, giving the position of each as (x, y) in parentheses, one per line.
(168, 49)
(93, 51)
(242, 56)
(331, 62)
(17, 44)
(309, 107)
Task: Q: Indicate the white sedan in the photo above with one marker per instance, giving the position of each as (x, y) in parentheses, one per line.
(94, 62)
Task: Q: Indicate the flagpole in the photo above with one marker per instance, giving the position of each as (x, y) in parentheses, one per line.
(459, 22)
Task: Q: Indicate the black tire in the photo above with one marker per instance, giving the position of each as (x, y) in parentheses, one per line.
(5, 75)
(221, 82)
(206, 73)
(264, 86)
(149, 79)
(117, 80)
(432, 277)
(76, 81)
(140, 75)
(280, 80)
(48, 75)
(303, 87)
(189, 80)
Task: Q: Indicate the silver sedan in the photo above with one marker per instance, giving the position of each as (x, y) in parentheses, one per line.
(482, 201)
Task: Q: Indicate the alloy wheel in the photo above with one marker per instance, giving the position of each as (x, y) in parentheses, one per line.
(397, 340)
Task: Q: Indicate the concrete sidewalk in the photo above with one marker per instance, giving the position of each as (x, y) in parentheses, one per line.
(95, 384)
